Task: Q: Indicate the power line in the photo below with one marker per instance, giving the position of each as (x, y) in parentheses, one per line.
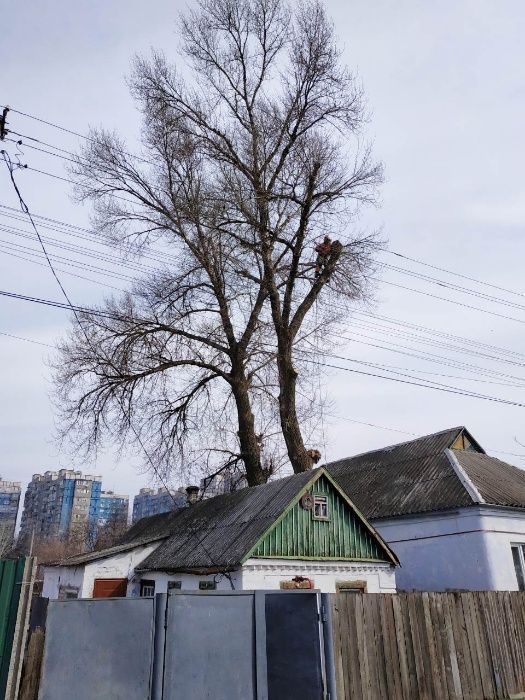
(426, 386)
(26, 340)
(64, 272)
(432, 331)
(453, 390)
(68, 131)
(25, 208)
(88, 138)
(381, 317)
(450, 301)
(455, 287)
(451, 272)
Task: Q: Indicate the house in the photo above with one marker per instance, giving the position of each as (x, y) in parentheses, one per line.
(454, 515)
(300, 531)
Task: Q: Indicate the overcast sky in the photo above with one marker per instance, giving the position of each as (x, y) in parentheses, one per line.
(445, 83)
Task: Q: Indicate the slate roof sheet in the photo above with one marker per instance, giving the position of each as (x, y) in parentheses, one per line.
(412, 477)
(498, 482)
(217, 532)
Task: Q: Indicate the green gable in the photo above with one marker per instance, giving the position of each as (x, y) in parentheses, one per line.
(344, 535)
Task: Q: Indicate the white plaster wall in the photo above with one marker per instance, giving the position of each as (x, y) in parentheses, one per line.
(502, 527)
(56, 576)
(120, 565)
(189, 582)
(267, 574)
(449, 550)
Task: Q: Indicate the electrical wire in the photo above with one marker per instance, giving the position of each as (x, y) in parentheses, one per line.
(451, 272)
(25, 208)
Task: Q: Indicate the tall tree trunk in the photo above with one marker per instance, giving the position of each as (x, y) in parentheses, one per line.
(249, 443)
(297, 452)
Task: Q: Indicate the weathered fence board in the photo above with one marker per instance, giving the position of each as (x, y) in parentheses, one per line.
(435, 646)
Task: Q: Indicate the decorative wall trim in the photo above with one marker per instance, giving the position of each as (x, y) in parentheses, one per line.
(311, 567)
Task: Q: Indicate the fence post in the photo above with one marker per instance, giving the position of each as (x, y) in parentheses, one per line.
(328, 644)
(160, 611)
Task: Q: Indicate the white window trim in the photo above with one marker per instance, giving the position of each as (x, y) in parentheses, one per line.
(324, 498)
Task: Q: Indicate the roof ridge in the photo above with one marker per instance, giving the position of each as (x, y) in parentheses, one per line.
(397, 444)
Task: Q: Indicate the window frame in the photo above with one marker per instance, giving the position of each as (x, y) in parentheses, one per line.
(146, 583)
(323, 497)
(519, 547)
(174, 585)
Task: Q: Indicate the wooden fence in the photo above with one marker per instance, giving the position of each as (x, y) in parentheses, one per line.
(419, 646)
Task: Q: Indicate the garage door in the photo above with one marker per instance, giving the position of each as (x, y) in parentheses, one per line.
(110, 587)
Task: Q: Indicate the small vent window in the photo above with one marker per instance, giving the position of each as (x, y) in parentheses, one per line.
(320, 510)
(207, 585)
(174, 585)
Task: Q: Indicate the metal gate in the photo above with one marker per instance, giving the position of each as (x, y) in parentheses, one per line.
(100, 648)
(262, 645)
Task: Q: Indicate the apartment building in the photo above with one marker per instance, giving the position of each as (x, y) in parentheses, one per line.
(225, 482)
(112, 508)
(59, 504)
(9, 502)
(151, 502)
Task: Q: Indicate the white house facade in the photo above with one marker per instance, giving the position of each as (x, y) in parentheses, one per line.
(297, 532)
(454, 515)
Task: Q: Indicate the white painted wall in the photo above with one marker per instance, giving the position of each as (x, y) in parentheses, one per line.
(117, 566)
(267, 574)
(56, 576)
(464, 549)
(503, 527)
(189, 582)
(120, 565)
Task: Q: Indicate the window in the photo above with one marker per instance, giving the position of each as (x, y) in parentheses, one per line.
(518, 556)
(174, 585)
(350, 586)
(320, 510)
(207, 585)
(147, 588)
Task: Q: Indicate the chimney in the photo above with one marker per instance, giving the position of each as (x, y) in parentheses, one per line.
(192, 494)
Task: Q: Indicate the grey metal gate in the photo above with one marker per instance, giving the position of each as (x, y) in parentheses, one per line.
(99, 648)
(262, 645)
(210, 647)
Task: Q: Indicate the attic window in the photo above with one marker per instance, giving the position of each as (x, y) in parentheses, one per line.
(320, 509)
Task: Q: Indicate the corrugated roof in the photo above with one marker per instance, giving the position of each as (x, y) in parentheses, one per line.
(411, 477)
(217, 532)
(498, 482)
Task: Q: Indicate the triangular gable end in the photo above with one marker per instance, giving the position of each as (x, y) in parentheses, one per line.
(344, 535)
(465, 441)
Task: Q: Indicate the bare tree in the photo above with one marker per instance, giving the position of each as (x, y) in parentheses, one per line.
(250, 176)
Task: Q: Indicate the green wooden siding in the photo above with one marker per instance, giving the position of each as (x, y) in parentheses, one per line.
(297, 535)
(11, 576)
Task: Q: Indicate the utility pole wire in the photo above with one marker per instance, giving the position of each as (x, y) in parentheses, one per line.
(75, 311)
(70, 305)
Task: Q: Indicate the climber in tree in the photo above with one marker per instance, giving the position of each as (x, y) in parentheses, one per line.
(323, 250)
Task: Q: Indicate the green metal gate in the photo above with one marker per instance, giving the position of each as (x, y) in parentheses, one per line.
(11, 577)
